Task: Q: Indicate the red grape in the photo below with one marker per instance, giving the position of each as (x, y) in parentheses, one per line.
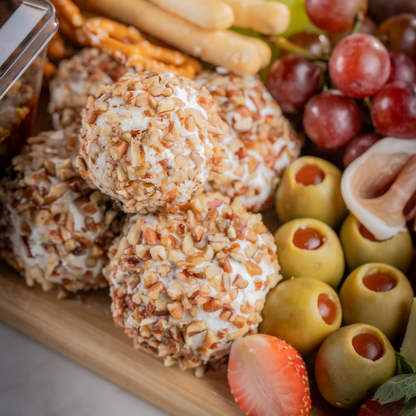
(331, 119)
(368, 26)
(359, 65)
(335, 16)
(402, 68)
(357, 146)
(399, 33)
(292, 81)
(393, 110)
(381, 10)
(316, 43)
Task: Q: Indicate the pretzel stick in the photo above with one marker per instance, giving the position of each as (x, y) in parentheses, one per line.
(49, 69)
(67, 31)
(56, 48)
(269, 18)
(124, 33)
(109, 36)
(219, 47)
(265, 53)
(207, 14)
(114, 29)
(69, 12)
(71, 21)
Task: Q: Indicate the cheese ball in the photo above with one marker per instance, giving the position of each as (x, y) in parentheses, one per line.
(55, 229)
(186, 284)
(78, 78)
(150, 141)
(260, 143)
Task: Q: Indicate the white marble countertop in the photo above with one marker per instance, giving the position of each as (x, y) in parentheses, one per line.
(37, 381)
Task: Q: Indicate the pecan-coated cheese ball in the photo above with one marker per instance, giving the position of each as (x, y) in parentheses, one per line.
(76, 79)
(150, 140)
(261, 143)
(185, 284)
(54, 229)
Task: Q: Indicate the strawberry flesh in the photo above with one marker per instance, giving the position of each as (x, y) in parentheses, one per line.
(268, 377)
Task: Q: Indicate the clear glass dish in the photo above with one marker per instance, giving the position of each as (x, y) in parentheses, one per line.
(26, 26)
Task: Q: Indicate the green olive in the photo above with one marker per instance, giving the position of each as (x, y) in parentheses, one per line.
(303, 312)
(309, 247)
(408, 348)
(380, 295)
(353, 362)
(361, 247)
(310, 188)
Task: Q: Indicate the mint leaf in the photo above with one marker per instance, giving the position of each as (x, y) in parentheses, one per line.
(409, 408)
(399, 387)
(408, 367)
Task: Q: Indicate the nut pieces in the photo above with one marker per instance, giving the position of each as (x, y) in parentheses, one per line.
(150, 140)
(260, 143)
(190, 272)
(55, 229)
(76, 79)
(182, 288)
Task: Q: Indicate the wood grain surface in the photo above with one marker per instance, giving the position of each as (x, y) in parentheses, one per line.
(82, 329)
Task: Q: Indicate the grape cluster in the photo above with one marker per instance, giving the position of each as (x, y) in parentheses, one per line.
(354, 85)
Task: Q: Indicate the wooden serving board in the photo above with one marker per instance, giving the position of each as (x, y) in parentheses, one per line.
(82, 329)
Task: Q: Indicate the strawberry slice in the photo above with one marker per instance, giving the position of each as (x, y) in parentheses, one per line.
(268, 377)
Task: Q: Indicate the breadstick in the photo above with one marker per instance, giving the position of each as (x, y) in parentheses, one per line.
(218, 47)
(263, 48)
(269, 18)
(207, 14)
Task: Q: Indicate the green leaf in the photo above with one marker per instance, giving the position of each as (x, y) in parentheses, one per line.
(409, 408)
(408, 367)
(399, 387)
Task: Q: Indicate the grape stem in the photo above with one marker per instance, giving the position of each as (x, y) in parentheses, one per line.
(359, 19)
(326, 82)
(366, 116)
(288, 46)
(367, 102)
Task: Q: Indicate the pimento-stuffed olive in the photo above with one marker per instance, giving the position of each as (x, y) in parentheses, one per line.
(310, 188)
(361, 247)
(352, 363)
(380, 295)
(303, 312)
(310, 248)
